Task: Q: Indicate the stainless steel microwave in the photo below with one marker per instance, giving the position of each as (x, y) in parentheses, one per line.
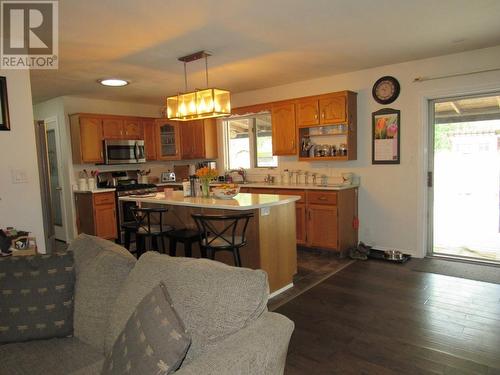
(124, 151)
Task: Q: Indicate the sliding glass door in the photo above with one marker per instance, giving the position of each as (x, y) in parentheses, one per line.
(464, 177)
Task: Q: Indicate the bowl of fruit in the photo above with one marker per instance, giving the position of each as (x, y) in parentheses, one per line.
(226, 191)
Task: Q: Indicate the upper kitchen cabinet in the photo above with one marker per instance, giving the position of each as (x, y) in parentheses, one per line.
(283, 128)
(86, 139)
(167, 140)
(199, 139)
(323, 109)
(122, 128)
(149, 127)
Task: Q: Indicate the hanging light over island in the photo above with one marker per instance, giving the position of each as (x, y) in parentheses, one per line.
(198, 104)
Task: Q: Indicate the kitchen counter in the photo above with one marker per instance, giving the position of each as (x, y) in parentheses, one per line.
(279, 186)
(271, 232)
(243, 201)
(95, 191)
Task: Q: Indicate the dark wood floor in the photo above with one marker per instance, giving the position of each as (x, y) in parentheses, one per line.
(378, 318)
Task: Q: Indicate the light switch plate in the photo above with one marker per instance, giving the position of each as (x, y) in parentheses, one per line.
(19, 176)
(265, 211)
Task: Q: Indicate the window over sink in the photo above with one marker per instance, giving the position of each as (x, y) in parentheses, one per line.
(248, 142)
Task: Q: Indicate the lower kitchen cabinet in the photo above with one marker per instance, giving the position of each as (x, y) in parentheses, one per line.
(96, 214)
(324, 218)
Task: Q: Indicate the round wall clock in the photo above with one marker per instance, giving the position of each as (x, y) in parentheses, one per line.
(386, 90)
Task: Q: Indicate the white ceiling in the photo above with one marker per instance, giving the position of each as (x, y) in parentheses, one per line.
(255, 43)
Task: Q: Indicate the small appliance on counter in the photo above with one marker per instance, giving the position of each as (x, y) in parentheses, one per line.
(167, 176)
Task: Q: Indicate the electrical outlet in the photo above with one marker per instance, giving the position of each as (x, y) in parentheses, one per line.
(265, 211)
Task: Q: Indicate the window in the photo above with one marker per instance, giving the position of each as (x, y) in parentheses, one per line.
(249, 142)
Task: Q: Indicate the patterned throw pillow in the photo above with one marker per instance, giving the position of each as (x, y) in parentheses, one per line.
(36, 297)
(154, 340)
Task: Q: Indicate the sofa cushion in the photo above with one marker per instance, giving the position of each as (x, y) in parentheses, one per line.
(101, 268)
(36, 297)
(212, 299)
(54, 356)
(154, 340)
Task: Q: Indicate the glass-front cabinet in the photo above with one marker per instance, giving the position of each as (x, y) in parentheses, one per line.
(168, 140)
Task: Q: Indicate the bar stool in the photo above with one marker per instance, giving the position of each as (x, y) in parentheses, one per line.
(222, 233)
(185, 236)
(146, 231)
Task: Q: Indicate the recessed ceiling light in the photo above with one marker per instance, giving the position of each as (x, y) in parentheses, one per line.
(113, 82)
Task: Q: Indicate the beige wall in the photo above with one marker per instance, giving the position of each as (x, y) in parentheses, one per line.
(392, 202)
(20, 203)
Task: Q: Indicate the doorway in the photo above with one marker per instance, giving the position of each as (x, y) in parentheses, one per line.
(56, 180)
(464, 177)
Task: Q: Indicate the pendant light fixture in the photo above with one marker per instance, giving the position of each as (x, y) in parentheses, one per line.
(200, 103)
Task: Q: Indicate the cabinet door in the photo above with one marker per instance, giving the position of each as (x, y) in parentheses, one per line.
(300, 222)
(149, 139)
(332, 109)
(105, 221)
(307, 112)
(186, 130)
(91, 140)
(198, 131)
(133, 129)
(322, 226)
(167, 140)
(283, 129)
(112, 128)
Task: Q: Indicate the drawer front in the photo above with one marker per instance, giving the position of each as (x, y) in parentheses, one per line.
(104, 198)
(301, 193)
(262, 191)
(322, 197)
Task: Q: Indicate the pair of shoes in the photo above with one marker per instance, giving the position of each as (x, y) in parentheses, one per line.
(361, 252)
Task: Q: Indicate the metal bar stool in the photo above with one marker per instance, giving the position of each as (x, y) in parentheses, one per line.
(222, 233)
(185, 236)
(147, 231)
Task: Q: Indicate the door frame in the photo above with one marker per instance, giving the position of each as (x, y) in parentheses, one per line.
(429, 196)
(61, 233)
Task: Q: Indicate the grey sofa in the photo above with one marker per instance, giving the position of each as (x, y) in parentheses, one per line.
(223, 308)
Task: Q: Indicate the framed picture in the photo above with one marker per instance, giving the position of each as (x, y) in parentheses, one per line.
(386, 133)
(4, 105)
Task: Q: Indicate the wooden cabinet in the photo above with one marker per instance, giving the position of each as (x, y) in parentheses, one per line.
(167, 140)
(322, 225)
(149, 128)
(199, 139)
(112, 128)
(133, 128)
(283, 129)
(86, 139)
(321, 110)
(122, 128)
(323, 218)
(96, 214)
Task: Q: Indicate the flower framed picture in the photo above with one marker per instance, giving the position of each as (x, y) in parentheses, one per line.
(4, 105)
(386, 133)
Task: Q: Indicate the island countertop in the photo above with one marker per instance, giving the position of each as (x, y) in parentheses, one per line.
(243, 201)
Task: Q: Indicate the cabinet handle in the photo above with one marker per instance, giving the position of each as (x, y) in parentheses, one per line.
(316, 116)
(293, 143)
(322, 198)
(322, 114)
(101, 154)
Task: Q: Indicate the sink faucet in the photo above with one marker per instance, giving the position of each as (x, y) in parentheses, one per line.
(241, 172)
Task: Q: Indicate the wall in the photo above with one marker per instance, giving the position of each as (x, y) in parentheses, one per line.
(392, 201)
(20, 203)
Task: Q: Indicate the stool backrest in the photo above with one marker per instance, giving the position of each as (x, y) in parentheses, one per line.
(225, 233)
(142, 217)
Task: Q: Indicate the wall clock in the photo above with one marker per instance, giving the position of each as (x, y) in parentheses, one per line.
(386, 90)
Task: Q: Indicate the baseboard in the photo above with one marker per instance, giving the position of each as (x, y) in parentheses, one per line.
(281, 290)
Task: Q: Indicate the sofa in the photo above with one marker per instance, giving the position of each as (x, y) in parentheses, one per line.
(223, 309)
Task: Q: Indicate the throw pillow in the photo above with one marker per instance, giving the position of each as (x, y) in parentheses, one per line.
(36, 297)
(154, 340)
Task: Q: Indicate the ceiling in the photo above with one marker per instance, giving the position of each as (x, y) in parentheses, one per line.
(255, 43)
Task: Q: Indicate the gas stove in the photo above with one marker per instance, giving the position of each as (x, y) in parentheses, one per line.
(135, 189)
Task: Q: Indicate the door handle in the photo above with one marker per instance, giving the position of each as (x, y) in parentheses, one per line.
(59, 188)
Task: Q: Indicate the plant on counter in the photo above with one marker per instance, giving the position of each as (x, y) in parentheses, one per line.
(206, 175)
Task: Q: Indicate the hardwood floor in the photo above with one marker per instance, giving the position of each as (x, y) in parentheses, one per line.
(379, 318)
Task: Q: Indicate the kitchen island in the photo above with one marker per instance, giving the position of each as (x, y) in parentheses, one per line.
(270, 233)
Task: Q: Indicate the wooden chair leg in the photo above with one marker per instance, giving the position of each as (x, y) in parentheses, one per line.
(172, 246)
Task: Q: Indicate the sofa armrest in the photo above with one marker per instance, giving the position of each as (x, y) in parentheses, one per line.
(259, 348)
